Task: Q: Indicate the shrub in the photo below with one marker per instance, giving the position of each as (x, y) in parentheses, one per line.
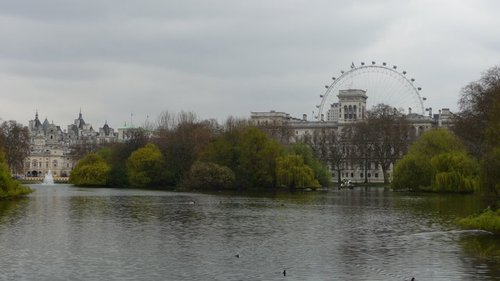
(210, 176)
(488, 220)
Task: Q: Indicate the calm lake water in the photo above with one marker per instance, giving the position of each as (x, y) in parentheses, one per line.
(67, 233)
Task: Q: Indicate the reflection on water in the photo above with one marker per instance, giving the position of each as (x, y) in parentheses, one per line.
(62, 232)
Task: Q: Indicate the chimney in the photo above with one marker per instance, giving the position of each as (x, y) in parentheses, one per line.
(304, 117)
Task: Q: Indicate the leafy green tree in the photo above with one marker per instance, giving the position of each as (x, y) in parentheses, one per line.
(220, 151)
(412, 172)
(8, 186)
(454, 172)
(91, 170)
(321, 172)
(146, 167)
(116, 155)
(436, 162)
(292, 172)
(257, 158)
(210, 176)
(436, 141)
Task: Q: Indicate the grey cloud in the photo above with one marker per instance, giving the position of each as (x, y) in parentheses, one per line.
(222, 58)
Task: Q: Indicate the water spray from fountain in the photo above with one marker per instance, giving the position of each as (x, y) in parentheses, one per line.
(48, 179)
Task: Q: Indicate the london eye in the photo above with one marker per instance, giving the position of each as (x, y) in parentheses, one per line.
(382, 83)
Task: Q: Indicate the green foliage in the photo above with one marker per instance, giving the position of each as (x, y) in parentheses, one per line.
(454, 172)
(490, 177)
(91, 170)
(437, 162)
(412, 172)
(210, 176)
(116, 156)
(321, 172)
(221, 151)
(292, 172)
(146, 167)
(488, 220)
(8, 186)
(435, 142)
(257, 159)
(453, 182)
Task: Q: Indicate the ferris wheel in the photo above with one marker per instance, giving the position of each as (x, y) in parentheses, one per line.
(382, 83)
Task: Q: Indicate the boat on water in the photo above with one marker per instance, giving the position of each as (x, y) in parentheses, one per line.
(346, 184)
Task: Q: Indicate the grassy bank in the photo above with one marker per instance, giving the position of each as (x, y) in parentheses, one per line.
(488, 220)
(14, 189)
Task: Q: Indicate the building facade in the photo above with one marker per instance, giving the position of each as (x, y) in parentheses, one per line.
(52, 148)
(351, 108)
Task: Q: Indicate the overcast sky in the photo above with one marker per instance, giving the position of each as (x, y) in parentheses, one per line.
(115, 58)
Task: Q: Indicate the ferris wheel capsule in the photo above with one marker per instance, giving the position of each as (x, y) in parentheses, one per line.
(326, 86)
(362, 63)
(333, 78)
(384, 64)
(404, 72)
(419, 88)
(373, 63)
(412, 79)
(394, 67)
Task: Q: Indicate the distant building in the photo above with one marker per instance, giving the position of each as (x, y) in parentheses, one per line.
(350, 108)
(51, 148)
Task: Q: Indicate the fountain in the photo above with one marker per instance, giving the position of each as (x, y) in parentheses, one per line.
(48, 179)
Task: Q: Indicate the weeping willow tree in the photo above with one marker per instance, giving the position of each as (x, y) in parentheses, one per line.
(291, 172)
(455, 172)
(437, 162)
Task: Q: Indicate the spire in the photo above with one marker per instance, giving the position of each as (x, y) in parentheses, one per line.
(37, 121)
(80, 115)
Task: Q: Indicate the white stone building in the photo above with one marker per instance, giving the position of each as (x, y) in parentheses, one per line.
(51, 147)
(350, 108)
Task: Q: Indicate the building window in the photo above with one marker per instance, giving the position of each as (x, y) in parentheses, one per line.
(369, 175)
(376, 175)
(361, 175)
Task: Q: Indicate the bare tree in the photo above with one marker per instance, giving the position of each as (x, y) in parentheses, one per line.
(476, 108)
(336, 152)
(381, 139)
(15, 142)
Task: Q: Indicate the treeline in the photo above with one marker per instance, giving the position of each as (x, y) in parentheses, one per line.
(467, 158)
(181, 152)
